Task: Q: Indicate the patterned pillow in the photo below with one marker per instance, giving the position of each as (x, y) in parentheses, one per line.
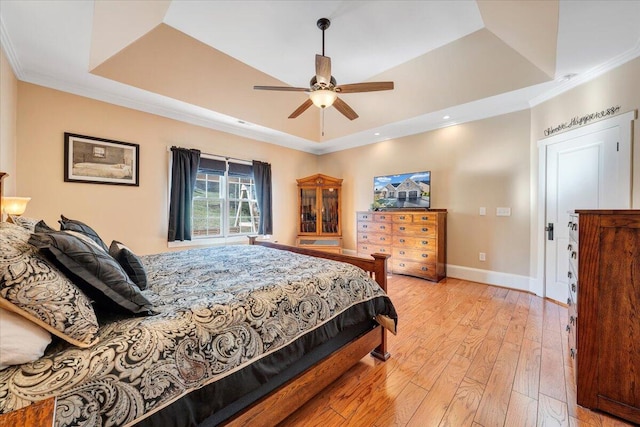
(23, 221)
(94, 271)
(130, 262)
(33, 288)
(81, 227)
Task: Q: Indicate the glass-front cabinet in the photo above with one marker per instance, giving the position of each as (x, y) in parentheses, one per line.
(319, 198)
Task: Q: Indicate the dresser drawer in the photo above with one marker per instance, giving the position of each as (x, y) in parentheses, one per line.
(415, 218)
(364, 216)
(374, 227)
(424, 229)
(414, 268)
(382, 217)
(413, 242)
(372, 248)
(420, 255)
(374, 238)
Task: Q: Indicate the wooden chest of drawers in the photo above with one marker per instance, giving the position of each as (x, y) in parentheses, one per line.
(415, 240)
(604, 294)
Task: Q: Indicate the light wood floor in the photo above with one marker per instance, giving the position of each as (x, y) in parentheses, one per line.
(466, 354)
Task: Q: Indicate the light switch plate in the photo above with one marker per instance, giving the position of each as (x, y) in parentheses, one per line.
(503, 211)
(483, 211)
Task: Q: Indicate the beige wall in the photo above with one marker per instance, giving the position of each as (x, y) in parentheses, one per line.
(8, 106)
(479, 164)
(620, 86)
(135, 215)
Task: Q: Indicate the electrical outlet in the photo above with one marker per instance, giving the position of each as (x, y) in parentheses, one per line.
(482, 256)
(503, 211)
(483, 211)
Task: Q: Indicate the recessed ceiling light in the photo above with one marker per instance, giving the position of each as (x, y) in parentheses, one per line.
(376, 134)
(446, 117)
(241, 122)
(568, 77)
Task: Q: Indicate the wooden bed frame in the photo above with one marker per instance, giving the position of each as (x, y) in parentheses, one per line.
(292, 395)
(285, 400)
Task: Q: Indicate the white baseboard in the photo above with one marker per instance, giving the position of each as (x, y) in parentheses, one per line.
(506, 280)
(496, 278)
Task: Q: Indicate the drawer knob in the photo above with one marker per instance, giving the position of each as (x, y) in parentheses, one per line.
(383, 217)
(573, 353)
(401, 252)
(401, 217)
(382, 238)
(382, 227)
(425, 229)
(569, 275)
(424, 242)
(401, 240)
(570, 224)
(574, 254)
(572, 320)
(568, 328)
(424, 269)
(569, 301)
(425, 255)
(365, 226)
(402, 228)
(570, 247)
(365, 247)
(383, 250)
(573, 287)
(574, 227)
(401, 264)
(424, 218)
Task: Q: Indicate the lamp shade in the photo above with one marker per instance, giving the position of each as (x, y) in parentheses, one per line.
(14, 205)
(323, 98)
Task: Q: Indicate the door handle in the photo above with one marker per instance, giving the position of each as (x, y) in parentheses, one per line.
(549, 230)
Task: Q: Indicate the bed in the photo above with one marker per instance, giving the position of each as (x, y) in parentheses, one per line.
(102, 170)
(234, 335)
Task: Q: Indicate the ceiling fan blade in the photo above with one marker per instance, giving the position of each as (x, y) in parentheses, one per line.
(301, 109)
(282, 88)
(364, 87)
(323, 69)
(345, 109)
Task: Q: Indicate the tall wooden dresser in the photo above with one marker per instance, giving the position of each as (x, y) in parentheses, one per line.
(416, 240)
(604, 310)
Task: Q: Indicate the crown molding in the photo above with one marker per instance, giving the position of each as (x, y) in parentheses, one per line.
(587, 76)
(183, 112)
(5, 41)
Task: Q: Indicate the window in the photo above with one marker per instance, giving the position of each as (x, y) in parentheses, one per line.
(224, 199)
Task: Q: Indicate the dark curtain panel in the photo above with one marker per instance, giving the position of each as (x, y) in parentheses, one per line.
(184, 169)
(262, 178)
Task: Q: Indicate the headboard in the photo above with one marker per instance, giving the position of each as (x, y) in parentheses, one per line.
(2, 177)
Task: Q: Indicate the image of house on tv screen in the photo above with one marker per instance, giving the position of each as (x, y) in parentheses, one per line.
(409, 190)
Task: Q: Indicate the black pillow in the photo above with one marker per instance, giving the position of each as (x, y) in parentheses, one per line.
(129, 262)
(42, 227)
(93, 271)
(81, 227)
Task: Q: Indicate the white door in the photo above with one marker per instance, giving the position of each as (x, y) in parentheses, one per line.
(589, 171)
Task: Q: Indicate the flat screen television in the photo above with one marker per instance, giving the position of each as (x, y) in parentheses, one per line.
(402, 191)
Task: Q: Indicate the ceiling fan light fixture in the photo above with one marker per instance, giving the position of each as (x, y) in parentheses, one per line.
(323, 98)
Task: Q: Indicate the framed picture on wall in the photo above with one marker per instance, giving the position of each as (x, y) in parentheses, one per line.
(100, 161)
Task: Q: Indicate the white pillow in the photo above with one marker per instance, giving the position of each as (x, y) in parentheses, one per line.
(21, 341)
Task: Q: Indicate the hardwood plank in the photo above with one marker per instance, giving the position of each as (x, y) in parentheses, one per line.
(464, 404)
(527, 378)
(495, 400)
(552, 369)
(522, 412)
(403, 407)
(482, 364)
(552, 412)
(434, 406)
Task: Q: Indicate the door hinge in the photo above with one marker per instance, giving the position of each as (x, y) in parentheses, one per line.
(617, 146)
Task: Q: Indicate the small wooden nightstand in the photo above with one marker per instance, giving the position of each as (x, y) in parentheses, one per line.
(39, 414)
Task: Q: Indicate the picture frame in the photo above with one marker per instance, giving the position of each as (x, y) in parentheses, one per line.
(100, 161)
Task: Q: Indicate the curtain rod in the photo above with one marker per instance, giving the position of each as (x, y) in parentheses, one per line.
(250, 162)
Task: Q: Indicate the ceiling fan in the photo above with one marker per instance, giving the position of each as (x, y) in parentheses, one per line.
(323, 90)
